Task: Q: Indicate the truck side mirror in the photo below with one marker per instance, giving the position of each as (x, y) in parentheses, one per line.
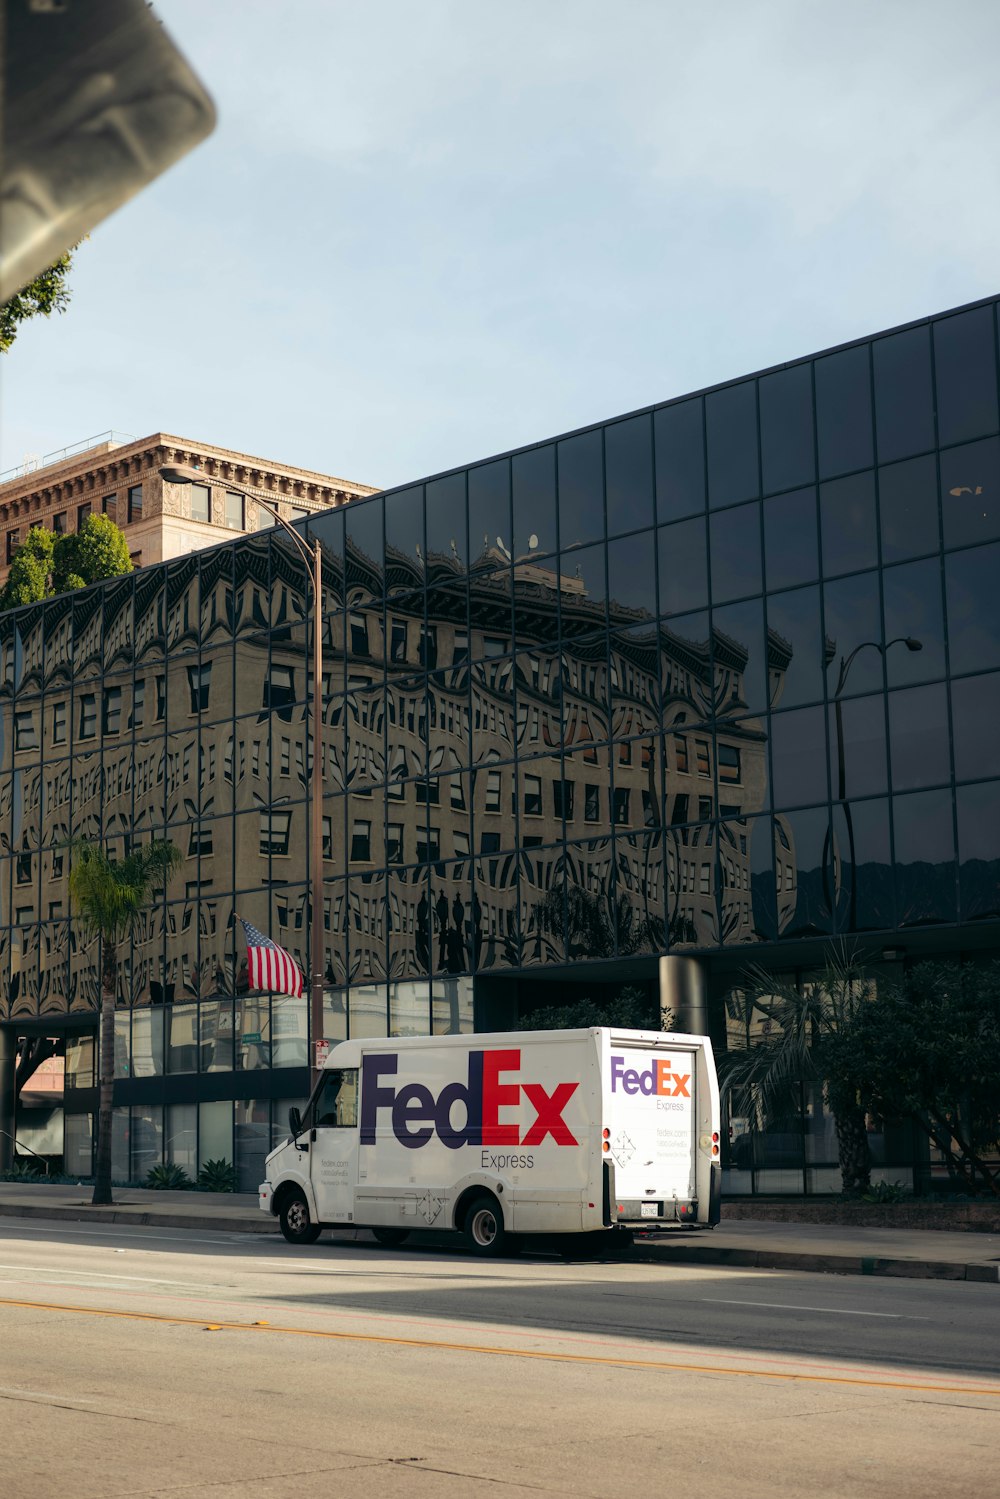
(294, 1121)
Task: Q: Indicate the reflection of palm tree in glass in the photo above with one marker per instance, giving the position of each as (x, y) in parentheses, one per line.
(846, 663)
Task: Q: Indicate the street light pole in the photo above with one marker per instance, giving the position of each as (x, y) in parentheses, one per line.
(313, 558)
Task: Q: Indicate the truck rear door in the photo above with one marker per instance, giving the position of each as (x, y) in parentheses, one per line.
(650, 1120)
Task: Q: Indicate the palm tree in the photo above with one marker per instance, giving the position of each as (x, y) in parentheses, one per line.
(793, 1036)
(109, 898)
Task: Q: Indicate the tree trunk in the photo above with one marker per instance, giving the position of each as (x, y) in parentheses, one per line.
(109, 985)
(853, 1152)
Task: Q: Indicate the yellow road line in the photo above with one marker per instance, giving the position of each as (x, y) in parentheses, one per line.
(651, 1365)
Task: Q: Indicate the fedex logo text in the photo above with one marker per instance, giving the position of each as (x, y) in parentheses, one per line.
(417, 1114)
(659, 1081)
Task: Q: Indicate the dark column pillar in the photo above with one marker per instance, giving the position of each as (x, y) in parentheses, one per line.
(683, 991)
(8, 1043)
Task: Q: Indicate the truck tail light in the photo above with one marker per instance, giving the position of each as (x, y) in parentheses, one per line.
(715, 1142)
(606, 1141)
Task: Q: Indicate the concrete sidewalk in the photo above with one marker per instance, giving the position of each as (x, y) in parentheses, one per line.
(923, 1254)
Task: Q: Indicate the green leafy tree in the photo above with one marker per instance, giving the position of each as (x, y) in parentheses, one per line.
(793, 1036)
(109, 898)
(30, 575)
(629, 1009)
(928, 1050)
(48, 293)
(45, 564)
(98, 550)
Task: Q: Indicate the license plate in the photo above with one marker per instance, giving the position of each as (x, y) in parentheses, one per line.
(649, 1210)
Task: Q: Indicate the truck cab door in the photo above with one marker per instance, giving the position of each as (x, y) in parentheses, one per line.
(333, 1146)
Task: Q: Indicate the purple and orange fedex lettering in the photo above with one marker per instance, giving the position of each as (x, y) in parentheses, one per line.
(660, 1081)
(417, 1114)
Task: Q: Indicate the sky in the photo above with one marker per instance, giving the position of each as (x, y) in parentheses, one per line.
(426, 231)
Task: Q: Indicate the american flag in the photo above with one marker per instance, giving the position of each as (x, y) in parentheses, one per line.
(270, 966)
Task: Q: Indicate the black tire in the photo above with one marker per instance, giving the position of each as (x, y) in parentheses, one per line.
(483, 1226)
(391, 1237)
(296, 1224)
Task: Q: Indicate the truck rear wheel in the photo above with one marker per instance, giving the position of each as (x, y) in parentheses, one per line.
(483, 1226)
(296, 1224)
(391, 1237)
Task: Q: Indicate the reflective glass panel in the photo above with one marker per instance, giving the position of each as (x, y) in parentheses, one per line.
(533, 477)
(965, 374)
(866, 896)
(925, 858)
(790, 551)
(857, 747)
(843, 412)
(912, 600)
(904, 398)
(847, 508)
(798, 757)
(446, 518)
(628, 467)
(975, 711)
(970, 492)
(786, 428)
(581, 489)
(679, 436)
(908, 508)
(854, 630)
(979, 850)
(739, 658)
(489, 510)
(796, 660)
(731, 426)
(918, 737)
(735, 553)
(973, 626)
(803, 873)
(632, 573)
(683, 566)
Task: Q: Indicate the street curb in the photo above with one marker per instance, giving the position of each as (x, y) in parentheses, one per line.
(830, 1264)
(658, 1254)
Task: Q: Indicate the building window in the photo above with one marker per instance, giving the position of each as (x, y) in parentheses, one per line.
(489, 843)
(701, 757)
(109, 506)
(680, 813)
(361, 841)
(112, 710)
(398, 640)
(533, 796)
(730, 768)
(22, 868)
(199, 680)
(429, 646)
(265, 515)
(460, 649)
(279, 692)
(135, 502)
(161, 698)
(705, 880)
(25, 737)
(13, 542)
(59, 717)
(358, 628)
(201, 502)
(394, 843)
(83, 514)
(704, 808)
(274, 830)
(428, 846)
(591, 803)
(681, 753)
(562, 798)
(88, 716)
(235, 511)
(59, 524)
(493, 791)
(620, 805)
(428, 793)
(200, 841)
(138, 703)
(461, 842)
(457, 793)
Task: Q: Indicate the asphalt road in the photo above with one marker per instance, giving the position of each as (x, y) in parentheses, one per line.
(147, 1362)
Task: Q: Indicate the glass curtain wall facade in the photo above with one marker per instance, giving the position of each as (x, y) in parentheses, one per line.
(712, 678)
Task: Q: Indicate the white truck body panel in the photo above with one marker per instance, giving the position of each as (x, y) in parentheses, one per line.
(571, 1131)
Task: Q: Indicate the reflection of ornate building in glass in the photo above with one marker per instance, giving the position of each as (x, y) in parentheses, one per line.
(581, 708)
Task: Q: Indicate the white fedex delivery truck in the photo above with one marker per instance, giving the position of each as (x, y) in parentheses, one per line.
(495, 1136)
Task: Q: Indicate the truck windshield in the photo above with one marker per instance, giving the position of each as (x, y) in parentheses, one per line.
(337, 1103)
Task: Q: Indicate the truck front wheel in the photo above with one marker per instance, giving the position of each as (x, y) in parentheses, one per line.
(295, 1221)
(483, 1226)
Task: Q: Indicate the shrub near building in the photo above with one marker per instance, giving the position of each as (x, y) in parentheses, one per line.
(46, 564)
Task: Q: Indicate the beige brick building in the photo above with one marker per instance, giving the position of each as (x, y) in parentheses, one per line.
(121, 477)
